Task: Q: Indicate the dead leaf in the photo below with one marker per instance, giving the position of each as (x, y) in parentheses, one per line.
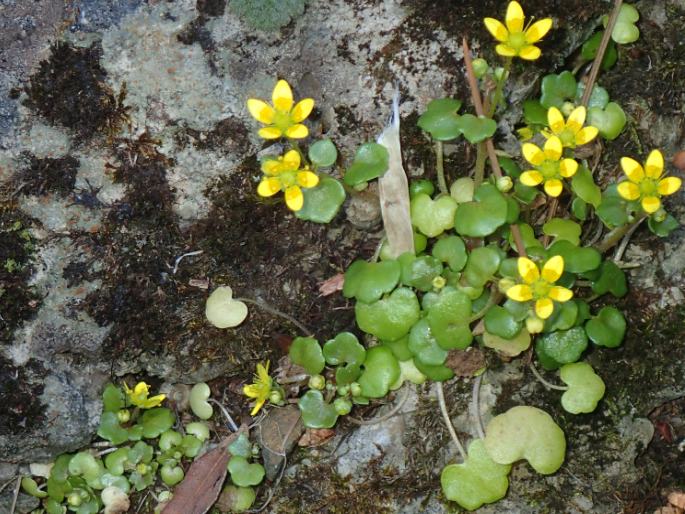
(278, 433)
(201, 486)
(201, 283)
(677, 499)
(465, 363)
(332, 285)
(315, 437)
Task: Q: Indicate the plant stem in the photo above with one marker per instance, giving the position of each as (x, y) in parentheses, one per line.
(596, 65)
(497, 97)
(382, 418)
(448, 422)
(544, 382)
(276, 312)
(475, 405)
(615, 236)
(440, 168)
(494, 298)
(479, 174)
(624, 244)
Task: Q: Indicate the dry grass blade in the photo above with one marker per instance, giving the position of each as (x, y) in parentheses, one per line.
(394, 189)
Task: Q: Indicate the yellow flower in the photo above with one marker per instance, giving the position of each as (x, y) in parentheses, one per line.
(260, 389)
(282, 119)
(540, 286)
(549, 166)
(646, 183)
(571, 133)
(514, 39)
(138, 396)
(284, 174)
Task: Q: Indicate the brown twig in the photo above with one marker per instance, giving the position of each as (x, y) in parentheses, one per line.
(600, 53)
(494, 163)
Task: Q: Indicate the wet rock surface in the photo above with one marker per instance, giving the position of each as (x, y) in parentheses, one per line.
(126, 144)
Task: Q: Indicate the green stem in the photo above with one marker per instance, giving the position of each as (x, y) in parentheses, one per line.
(446, 416)
(498, 95)
(440, 168)
(492, 300)
(479, 175)
(615, 236)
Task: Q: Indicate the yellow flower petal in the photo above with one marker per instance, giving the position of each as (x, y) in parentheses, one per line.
(553, 187)
(632, 169)
(651, 204)
(568, 167)
(532, 154)
(654, 166)
(258, 405)
(271, 167)
(576, 119)
(531, 178)
(301, 110)
(269, 186)
(520, 293)
(530, 53)
(497, 29)
(294, 198)
(587, 134)
(514, 18)
(544, 308)
(282, 96)
(538, 30)
(528, 270)
(263, 372)
(555, 120)
(252, 390)
(298, 131)
(553, 269)
(307, 179)
(291, 160)
(505, 50)
(261, 111)
(560, 294)
(669, 185)
(628, 190)
(269, 133)
(553, 148)
(141, 389)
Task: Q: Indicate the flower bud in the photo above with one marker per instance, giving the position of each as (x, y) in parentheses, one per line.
(317, 382)
(501, 74)
(659, 216)
(505, 284)
(143, 468)
(480, 67)
(439, 282)
(534, 325)
(355, 389)
(342, 406)
(343, 390)
(275, 396)
(74, 499)
(123, 416)
(504, 184)
(567, 108)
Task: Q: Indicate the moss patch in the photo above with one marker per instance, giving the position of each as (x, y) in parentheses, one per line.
(41, 176)
(22, 409)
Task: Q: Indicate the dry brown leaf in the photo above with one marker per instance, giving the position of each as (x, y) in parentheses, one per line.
(201, 486)
(331, 285)
(315, 437)
(677, 499)
(465, 363)
(278, 433)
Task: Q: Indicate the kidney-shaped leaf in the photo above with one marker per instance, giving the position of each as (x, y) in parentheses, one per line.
(484, 215)
(370, 162)
(562, 347)
(316, 413)
(528, 433)
(306, 352)
(389, 318)
(607, 328)
(476, 481)
(222, 310)
(433, 217)
(322, 203)
(368, 281)
(381, 370)
(345, 349)
(585, 388)
(441, 119)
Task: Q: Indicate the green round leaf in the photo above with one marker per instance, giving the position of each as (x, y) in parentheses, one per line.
(242, 447)
(381, 370)
(607, 328)
(598, 98)
(625, 31)
(576, 259)
(579, 208)
(389, 318)
(323, 153)
(111, 430)
(484, 215)
(482, 264)
(613, 210)
(510, 347)
(438, 373)
(500, 322)
(370, 162)
(115, 461)
(198, 401)
(451, 250)
(30, 486)
(113, 399)
(448, 318)
(557, 89)
(462, 189)
(663, 228)
(612, 280)
(322, 203)
(476, 128)
(316, 413)
(420, 186)
(441, 119)
(526, 433)
(563, 317)
(591, 46)
(345, 349)
(563, 347)
(419, 272)
(306, 352)
(562, 229)
(585, 388)
(534, 113)
(610, 120)
(155, 421)
(368, 281)
(243, 473)
(423, 345)
(238, 499)
(432, 217)
(584, 186)
(477, 481)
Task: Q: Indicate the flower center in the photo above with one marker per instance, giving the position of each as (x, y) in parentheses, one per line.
(282, 120)
(540, 289)
(648, 187)
(288, 178)
(549, 169)
(517, 40)
(568, 138)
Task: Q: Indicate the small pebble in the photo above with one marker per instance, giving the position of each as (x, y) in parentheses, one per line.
(679, 160)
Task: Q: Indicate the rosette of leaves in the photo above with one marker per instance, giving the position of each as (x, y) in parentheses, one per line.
(345, 352)
(244, 472)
